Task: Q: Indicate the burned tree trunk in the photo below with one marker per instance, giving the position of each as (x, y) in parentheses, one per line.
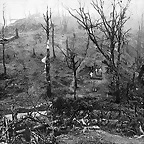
(75, 84)
(112, 33)
(54, 55)
(47, 19)
(74, 68)
(48, 71)
(4, 41)
(74, 60)
(4, 65)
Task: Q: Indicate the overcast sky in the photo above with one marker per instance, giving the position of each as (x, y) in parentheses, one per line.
(16, 9)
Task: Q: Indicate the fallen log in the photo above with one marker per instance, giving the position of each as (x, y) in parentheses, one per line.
(7, 40)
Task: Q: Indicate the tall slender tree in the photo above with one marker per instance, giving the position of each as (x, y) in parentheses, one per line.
(53, 34)
(47, 27)
(3, 36)
(5, 41)
(73, 59)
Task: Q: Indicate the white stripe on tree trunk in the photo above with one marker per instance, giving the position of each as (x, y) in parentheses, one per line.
(47, 47)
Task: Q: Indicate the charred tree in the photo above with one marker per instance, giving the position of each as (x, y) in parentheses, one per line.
(53, 46)
(5, 41)
(106, 32)
(4, 65)
(74, 60)
(33, 53)
(3, 44)
(47, 19)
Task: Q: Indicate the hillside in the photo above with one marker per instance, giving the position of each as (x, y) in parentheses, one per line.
(93, 117)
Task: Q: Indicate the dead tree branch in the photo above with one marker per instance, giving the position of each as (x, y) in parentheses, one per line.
(110, 29)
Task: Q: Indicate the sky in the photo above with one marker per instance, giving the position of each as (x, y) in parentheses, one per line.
(16, 9)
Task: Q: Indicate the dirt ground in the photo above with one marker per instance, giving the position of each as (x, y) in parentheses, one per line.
(61, 79)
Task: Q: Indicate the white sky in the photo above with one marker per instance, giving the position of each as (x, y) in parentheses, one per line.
(16, 9)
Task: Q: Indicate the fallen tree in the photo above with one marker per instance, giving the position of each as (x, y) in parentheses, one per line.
(9, 39)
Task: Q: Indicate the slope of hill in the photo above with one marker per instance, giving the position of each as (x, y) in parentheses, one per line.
(27, 24)
(33, 22)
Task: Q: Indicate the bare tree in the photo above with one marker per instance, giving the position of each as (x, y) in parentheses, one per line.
(73, 59)
(3, 35)
(47, 27)
(106, 32)
(53, 34)
(4, 40)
